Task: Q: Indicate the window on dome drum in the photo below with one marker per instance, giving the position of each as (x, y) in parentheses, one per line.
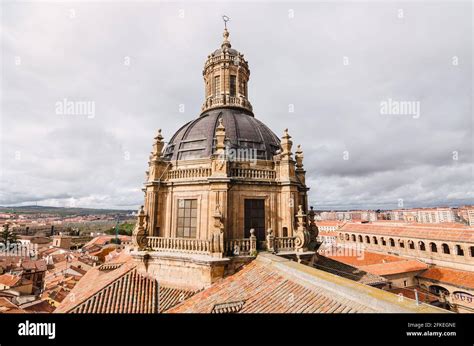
(459, 250)
(232, 85)
(471, 249)
(422, 246)
(433, 247)
(187, 218)
(217, 85)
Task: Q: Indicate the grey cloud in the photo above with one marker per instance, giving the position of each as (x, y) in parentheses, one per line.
(68, 160)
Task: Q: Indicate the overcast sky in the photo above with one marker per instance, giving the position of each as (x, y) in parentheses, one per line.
(336, 63)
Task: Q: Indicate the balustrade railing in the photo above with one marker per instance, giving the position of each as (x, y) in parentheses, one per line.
(249, 173)
(187, 173)
(185, 245)
(232, 247)
(284, 243)
(235, 247)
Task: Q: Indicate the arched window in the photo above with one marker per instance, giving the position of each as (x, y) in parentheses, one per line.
(438, 290)
(347, 236)
(411, 244)
(384, 243)
(392, 242)
(360, 239)
(375, 240)
(446, 249)
(401, 243)
(341, 236)
(471, 250)
(367, 239)
(459, 250)
(433, 247)
(353, 237)
(421, 245)
(285, 231)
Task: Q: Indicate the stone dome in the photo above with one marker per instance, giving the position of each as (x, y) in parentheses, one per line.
(196, 139)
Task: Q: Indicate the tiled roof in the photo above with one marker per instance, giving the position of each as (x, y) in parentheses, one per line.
(271, 284)
(331, 265)
(328, 223)
(266, 291)
(6, 306)
(131, 293)
(40, 307)
(9, 280)
(413, 231)
(391, 268)
(35, 265)
(379, 264)
(362, 258)
(118, 287)
(450, 276)
(104, 239)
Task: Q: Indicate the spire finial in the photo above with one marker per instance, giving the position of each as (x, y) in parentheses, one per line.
(225, 19)
(226, 42)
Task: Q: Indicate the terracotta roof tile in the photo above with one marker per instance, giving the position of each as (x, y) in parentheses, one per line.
(9, 280)
(117, 287)
(450, 276)
(413, 231)
(263, 290)
(333, 266)
(405, 266)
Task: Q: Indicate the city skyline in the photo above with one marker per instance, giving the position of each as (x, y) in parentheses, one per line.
(356, 155)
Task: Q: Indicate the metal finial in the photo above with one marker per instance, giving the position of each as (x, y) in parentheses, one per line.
(225, 19)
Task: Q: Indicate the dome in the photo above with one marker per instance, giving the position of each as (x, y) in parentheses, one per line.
(196, 138)
(230, 51)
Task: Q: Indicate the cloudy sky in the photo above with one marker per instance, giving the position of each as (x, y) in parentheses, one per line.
(335, 64)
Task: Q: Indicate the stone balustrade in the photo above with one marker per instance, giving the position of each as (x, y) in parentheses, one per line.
(236, 247)
(249, 173)
(189, 173)
(232, 247)
(284, 243)
(184, 245)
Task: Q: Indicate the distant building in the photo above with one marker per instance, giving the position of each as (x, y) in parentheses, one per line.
(62, 241)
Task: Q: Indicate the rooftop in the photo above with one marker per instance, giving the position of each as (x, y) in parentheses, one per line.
(271, 284)
(450, 276)
(117, 287)
(413, 231)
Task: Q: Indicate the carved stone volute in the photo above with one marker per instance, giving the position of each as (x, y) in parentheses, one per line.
(139, 237)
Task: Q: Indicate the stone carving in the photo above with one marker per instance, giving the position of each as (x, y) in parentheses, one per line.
(270, 240)
(313, 230)
(139, 237)
(218, 233)
(253, 243)
(302, 236)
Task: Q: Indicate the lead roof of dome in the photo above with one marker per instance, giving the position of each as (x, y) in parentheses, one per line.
(196, 139)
